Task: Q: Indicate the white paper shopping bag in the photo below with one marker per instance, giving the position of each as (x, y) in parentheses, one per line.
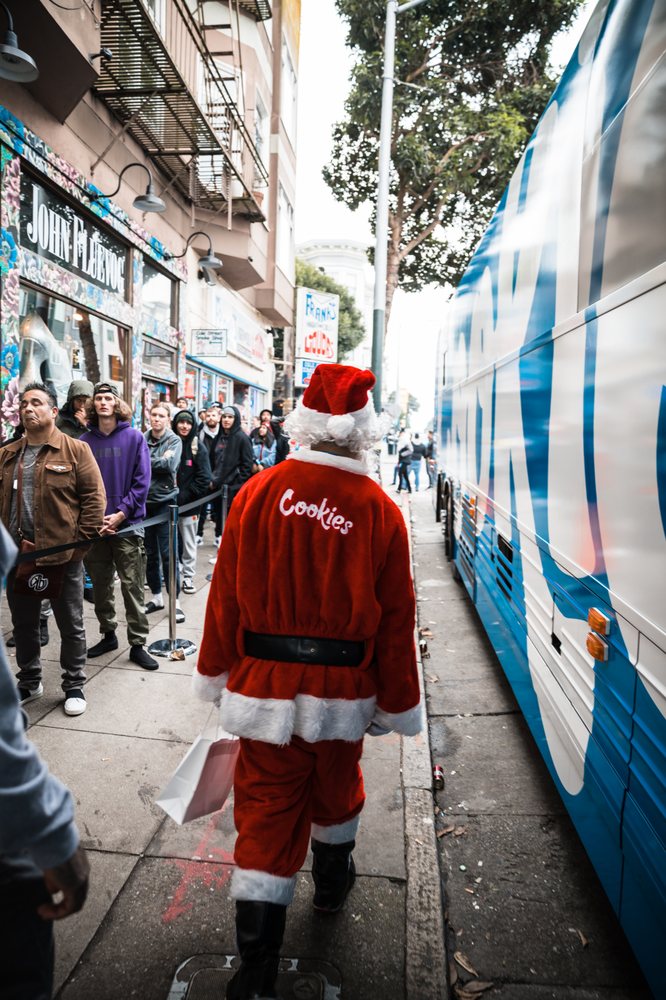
(201, 783)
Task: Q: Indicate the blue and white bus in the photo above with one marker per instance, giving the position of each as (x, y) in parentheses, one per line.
(551, 422)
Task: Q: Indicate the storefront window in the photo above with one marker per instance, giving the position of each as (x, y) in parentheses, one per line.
(206, 388)
(224, 390)
(60, 342)
(158, 360)
(158, 295)
(190, 384)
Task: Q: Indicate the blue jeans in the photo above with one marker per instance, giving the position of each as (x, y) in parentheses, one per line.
(416, 469)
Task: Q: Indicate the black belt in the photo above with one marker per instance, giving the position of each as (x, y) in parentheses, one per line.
(302, 649)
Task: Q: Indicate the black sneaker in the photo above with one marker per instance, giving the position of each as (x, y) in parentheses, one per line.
(142, 658)
(105, 645)
(43, 631)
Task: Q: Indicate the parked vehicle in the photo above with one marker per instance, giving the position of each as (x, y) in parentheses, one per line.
(551, 427)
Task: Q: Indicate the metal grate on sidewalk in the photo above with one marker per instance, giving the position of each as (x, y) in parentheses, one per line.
(205, 977)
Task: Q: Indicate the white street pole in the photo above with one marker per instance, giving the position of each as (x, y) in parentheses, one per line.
(381, 224)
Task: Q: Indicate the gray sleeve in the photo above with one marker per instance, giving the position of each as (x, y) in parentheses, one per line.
(36, 810)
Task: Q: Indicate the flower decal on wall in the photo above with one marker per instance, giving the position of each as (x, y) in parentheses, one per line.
(10, 402)
(8, 251)
(9, 363)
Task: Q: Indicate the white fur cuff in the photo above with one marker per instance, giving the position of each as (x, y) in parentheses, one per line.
(339, 833)
(407, 723)
(260, 887)
(276, 720)
(208, 688)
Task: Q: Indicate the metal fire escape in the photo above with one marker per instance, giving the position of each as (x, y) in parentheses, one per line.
(198, 141)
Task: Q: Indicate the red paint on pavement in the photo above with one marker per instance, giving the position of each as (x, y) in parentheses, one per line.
(202, 874)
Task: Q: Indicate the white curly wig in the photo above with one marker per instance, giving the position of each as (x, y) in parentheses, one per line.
(358, 431)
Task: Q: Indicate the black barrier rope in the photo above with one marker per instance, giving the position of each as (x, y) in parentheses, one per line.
(129, 530)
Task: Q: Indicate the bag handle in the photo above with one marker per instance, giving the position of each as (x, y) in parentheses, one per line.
(213, 728)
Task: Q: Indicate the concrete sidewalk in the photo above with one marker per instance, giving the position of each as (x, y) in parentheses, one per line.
(158, 892)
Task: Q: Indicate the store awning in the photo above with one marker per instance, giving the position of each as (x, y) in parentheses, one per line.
(221, 371)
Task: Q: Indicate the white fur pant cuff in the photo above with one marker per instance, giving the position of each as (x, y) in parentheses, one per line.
(260, 887)
(341, 833)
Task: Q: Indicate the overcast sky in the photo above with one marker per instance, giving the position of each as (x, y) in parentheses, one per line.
(323, 83)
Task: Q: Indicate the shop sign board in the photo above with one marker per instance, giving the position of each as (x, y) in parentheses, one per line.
(317, 325)
(303, 372)
(52, 228)
(210, 343)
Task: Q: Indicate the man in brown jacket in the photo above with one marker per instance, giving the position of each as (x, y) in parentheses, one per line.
(62, 500)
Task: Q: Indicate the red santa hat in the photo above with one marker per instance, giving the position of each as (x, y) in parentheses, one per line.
(336, 407)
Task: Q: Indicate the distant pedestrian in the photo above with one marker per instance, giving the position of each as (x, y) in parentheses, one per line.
(165, 449)
(51, 493)
(193, 479)
(430, 460)
(122, 456)
(40, 853)
(405, 452)
(265, 418)
(418, 454)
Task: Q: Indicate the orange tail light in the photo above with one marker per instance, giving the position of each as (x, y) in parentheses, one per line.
(596, 646)
(598, 621)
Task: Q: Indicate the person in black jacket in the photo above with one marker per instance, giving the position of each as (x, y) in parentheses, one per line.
(281, 440)
(233, 461)
(193, 479)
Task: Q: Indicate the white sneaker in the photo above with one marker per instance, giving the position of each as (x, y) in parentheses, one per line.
(218, 539)
(199, 539)
(30, 694)
(75, 702)
(212, 560)
(188, 587)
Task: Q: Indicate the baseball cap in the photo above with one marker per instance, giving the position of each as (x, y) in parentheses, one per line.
(106, 387)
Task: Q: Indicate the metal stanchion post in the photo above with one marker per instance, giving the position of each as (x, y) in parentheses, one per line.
(173, 648)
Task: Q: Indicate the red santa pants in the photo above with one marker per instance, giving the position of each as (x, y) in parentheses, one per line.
(280, 791)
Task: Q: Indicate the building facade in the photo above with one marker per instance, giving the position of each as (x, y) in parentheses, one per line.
(188, 95)
(346, 261)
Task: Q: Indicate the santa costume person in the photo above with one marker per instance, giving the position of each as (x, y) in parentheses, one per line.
(309, 642)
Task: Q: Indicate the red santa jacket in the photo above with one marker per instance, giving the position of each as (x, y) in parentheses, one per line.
(312, 547)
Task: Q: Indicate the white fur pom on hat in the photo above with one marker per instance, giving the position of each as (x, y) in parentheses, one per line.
(336, 407)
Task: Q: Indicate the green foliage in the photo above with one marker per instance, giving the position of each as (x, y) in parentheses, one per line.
(472, 79)
(350, 322)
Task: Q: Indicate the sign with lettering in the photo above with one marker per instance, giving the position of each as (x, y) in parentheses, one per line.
(210, 343)
(52, 228)
(303, 372)
(317, 325)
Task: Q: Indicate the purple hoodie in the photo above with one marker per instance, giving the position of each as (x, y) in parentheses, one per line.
(124, 462)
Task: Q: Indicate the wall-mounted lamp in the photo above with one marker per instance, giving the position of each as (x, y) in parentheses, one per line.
(15, 64)
(105, 54)
(147, 202)
(209, 263)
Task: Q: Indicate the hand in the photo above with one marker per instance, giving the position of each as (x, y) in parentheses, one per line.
(71, 880)
(111, 523)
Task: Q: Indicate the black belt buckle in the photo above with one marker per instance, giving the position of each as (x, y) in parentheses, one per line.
(305, 649)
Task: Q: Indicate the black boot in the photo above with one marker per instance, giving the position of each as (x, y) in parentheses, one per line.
(259, 930)
(334, 874)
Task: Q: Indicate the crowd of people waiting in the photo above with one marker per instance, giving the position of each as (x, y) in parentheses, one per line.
(83, 472)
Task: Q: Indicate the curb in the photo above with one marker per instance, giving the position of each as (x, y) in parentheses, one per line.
(425, 958)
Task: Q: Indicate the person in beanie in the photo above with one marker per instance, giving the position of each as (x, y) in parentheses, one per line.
(193, 480)
(304, 671)
(122, 456)
(72, 418)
